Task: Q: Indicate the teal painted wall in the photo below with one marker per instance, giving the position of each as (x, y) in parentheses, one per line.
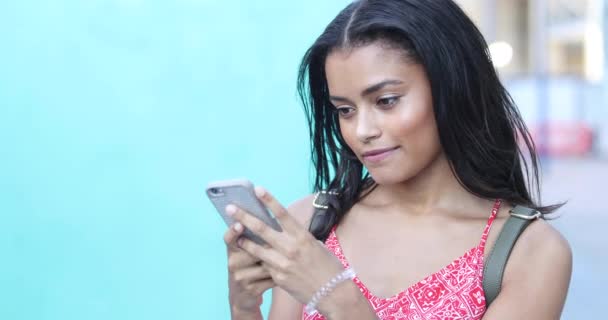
(113, 117)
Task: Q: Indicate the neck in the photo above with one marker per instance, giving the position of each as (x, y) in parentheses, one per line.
(435, 189)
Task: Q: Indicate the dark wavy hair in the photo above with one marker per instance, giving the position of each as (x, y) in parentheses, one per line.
(479, 125)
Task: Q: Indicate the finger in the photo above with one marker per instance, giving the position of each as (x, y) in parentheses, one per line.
(257, 226)
(241, 259)
(231, 236)
(259, 287)
(251, 274)
(268, 255)
(269, 268)
(277, 209)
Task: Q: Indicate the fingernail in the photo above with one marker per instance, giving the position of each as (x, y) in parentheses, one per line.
(238, 227)
(260, 192)
(230, 209)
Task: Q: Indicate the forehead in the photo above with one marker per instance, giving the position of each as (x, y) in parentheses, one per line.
(376, 47)
(353, 68)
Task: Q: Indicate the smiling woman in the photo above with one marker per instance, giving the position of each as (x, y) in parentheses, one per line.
(397, 105)
(418, 171)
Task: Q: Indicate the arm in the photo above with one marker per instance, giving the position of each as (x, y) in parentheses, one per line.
(237, 314)
(536, 278)
(247, 280)
(284, 306)
(345, 302)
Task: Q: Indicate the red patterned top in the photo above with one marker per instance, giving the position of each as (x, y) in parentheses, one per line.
(454, 292)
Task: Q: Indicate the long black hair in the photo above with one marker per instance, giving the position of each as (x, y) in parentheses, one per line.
(479, 125)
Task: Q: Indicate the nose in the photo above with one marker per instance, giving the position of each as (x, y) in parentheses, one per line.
(367, 126)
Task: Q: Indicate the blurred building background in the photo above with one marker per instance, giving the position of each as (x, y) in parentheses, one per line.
(551, 55)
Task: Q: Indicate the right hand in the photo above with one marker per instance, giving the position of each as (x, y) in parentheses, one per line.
(248, 279)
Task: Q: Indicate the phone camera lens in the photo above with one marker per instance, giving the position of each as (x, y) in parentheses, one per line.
(214, 191)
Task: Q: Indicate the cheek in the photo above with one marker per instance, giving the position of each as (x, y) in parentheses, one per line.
(411, 120)
(417, 129)
(348, 132)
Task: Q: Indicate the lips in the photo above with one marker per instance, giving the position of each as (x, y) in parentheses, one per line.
(378, 151)
(376, 156)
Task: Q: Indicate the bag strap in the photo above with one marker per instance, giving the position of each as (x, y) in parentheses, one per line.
(494, 267)
(321, 200)
(320, 204)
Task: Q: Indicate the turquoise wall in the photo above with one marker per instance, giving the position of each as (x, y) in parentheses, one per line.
(113, 117)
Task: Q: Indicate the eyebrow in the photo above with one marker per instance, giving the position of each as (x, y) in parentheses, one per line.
(371, 89)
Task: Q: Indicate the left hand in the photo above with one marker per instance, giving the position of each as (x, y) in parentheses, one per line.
(297, 262)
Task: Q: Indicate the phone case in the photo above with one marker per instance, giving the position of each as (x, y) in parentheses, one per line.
(240, 192)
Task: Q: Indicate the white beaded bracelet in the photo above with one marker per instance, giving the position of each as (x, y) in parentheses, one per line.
(327, 288)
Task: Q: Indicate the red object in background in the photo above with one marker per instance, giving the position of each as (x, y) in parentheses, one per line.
(563, 138)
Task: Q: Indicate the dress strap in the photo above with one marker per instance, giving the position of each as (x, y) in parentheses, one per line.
(486, 232)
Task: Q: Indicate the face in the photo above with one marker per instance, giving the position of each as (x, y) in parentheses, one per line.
(385, 108)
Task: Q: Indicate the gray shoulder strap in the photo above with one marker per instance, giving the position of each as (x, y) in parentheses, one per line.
(494, 267)
(320, 204)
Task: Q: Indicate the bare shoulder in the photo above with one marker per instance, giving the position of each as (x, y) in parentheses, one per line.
(539, 241)
(539, 268)
(540, 247)
(543, 245)
(302, 209)
(540, 265)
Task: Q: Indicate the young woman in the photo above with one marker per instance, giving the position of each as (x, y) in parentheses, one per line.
(417, 140)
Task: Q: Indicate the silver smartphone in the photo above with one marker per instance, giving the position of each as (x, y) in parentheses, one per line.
(240, 192)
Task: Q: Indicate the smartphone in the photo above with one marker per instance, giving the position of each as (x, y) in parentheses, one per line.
(240, 192)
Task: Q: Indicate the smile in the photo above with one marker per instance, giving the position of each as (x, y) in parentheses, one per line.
(377, 157)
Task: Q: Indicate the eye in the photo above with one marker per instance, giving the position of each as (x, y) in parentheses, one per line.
(388, 102)
(345, 112)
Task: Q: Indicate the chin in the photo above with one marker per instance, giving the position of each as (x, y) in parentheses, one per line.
(387, 177)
